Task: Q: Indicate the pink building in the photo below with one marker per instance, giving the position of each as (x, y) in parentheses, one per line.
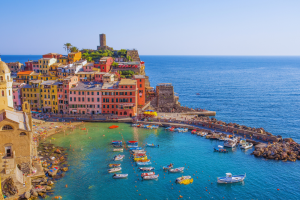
(85, 98)
(17, 95)
(88, 67)
(98, 76)
(35, 66)
(63, 93)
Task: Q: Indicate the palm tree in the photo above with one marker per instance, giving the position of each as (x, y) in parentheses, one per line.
(74, 49)
(67, 47)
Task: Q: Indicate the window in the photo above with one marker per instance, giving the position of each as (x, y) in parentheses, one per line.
(116, 93)
(103, 106)
(130, 93)
(140, 80)
(88, 93)
(70, 92)
(107, 106)
(82, 93)
(7, 127)
(79, 92)
(97, 93)
(88, 99)
(3, 93)
(107, 100)
(98, 99)
(112, 100)
(130, 99)
(103, 100)
(92, 99)
(82, 98)
(112, 106)
(92, 93)
(70, 98)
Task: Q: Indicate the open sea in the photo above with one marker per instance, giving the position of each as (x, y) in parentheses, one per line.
(253, 91)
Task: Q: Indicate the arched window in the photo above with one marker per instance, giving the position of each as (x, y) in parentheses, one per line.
(7, 127)
(3, 93)
(9, 92)
(1, 78)
(23, 134)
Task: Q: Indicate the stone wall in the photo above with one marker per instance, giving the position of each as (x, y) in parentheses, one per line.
(134, 54)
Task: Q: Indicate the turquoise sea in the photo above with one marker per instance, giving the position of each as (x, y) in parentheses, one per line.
(254, 91)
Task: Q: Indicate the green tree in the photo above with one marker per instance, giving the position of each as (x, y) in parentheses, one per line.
(89, 59)
(114, 64)
(74, 49)
(67, 47)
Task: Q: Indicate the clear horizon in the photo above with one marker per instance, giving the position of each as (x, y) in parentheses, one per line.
(218, 28)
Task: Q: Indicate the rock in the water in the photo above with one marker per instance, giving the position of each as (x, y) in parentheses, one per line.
(50, 183)
(65, 169)
(34, 193)
(48, 188)
(27, 195)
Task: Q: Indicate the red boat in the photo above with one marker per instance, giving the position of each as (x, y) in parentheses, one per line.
(172, 129)
(139, 154)
(132, 142)
(113, 126)
(147, 174)
(194, 131)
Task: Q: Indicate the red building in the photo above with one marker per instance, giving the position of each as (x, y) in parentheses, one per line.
(104, 64)
(120, 98)
(52, 55)
(29, 65)
(140, 81)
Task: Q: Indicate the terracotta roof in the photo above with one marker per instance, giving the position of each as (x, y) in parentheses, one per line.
(25, 73)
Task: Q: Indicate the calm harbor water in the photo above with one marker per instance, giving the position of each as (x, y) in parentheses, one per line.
(254, 91)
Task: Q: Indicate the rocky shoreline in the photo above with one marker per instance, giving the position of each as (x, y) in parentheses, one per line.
(55, 165)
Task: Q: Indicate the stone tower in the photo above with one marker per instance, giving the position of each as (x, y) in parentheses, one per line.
(102, 40)
(6, 95)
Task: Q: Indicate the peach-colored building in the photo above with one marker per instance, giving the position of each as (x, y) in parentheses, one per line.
(63, 91)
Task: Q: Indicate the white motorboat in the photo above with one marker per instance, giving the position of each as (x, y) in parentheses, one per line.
(131, 146)
(231, 179)
(119, 176)
(147, 174)
(119, 157)
(247, 145)
(115, 169)
(143, 163)
(146, 168)
(203, 134)
(182, 178)
(139, 151)
(230, 143)
(176, 170)
(151, 177)
(121, 150)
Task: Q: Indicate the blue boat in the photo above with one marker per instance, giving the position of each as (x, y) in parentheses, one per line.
(131, 146)
(231, 179)
(143, 163)
(132, 142)
(152, 145)
(117, 142)
(135, 148)
(220, 149)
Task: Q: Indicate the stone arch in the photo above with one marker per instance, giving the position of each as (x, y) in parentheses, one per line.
(23, 134)
(7, 128)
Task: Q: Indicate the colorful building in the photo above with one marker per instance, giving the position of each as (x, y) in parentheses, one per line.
(86, 76)
(104, 64)
(15, 67)
(63, 60)
(28, 65)
(35, 66)
(85, 98)
(63, 93)
(45, 63)
(140, 79)
(74, 56)
(49, 96)
(120, 98)
(26, 76)
(52, 55)
(32, 94)
(17, 95)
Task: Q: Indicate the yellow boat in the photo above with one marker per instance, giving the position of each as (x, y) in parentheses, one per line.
(142, 158)
(186, 181)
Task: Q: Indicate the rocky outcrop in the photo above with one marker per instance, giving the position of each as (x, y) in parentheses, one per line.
(8, 187)
(287, 150)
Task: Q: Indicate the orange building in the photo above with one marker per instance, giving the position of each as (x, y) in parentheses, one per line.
(140, 81)
(74, 56)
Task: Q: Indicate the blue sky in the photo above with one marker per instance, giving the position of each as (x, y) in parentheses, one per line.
(156, 27)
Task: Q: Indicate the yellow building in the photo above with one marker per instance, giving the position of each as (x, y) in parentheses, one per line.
(45, 63)
(48, 77)
(49, 96)
(74, 56)
(53, 68)
(63, 60)
(5, 87)
(31, 94)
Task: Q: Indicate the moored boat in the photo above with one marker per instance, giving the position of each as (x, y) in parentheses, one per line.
(113, 126)
(220, 149)
(151, 177)
(146, 168)
(230, 143)
(114, 165)
(139, 159)
(143, 163)
(132, 146)
(118, 142)
(135, 148)
(132, 142)
(115, 169)
(203, 134)
(152, 145)
(117, 145)
(179, 179)
(139, 151)
(120, 176)
(194, 131)
(147, 174)
(168, 166)
(175, 170)
(118, 150)
(229, 178)
(119, 157)
(247, 145)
